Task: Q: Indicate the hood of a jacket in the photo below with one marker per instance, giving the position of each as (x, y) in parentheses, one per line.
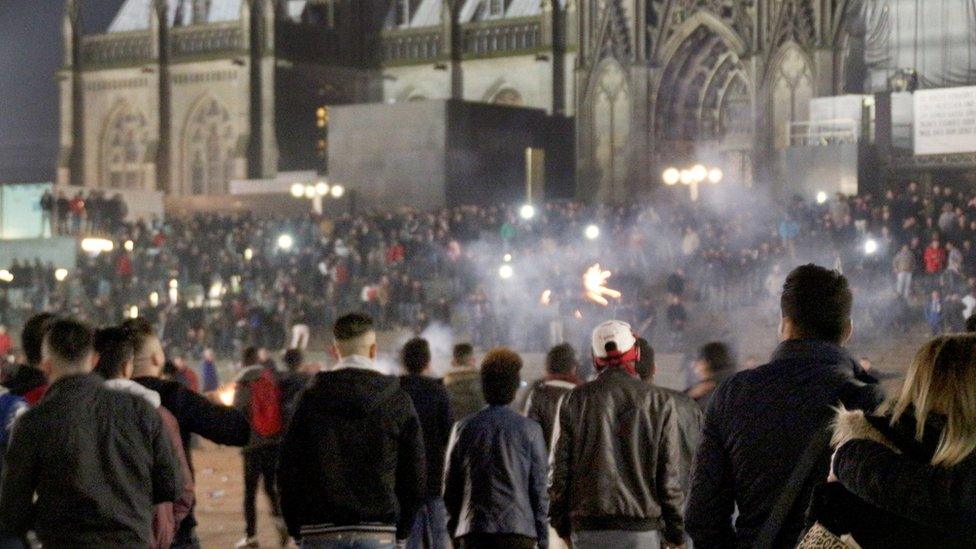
(133, 388)
(352, 392)
(900, 437)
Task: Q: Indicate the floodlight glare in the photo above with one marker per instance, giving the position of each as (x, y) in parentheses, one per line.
(671, 176)
(285, 242)
(592, 232)
(506, 271)
(527, 212)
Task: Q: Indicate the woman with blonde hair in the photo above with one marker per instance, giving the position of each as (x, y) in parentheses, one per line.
(906, 477)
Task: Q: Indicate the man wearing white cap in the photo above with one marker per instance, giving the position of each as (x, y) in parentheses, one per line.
(615, 472)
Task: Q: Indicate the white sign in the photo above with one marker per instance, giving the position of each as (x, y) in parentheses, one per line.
(945, 121)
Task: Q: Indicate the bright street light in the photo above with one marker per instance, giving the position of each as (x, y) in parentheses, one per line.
(870, 246)
(527, 212)
(309, 191)
(338, 191)
(321, 188)
(699, 173)
(285, 242)
(97, 245)
(506, 271)
(592, 232)
(821, 197)
(129, 245)
(60, 275)
(715, 175)
(671, 176)
(297, 190)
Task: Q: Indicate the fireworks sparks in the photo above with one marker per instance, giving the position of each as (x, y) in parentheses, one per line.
(546, 298)
(226, 394)
(595, 284)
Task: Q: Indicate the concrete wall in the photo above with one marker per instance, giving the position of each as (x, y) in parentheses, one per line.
(428, 154)
(60, 251)
(809, 170)
(390, 155)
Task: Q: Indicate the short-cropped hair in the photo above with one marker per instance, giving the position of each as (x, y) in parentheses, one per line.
(818, 301)
(351, 326)
(32, 336)
(500, 375)
(115, 349)
(293, 359)
(69, 340)
(561, 359)
(462, 351)
(415, 355)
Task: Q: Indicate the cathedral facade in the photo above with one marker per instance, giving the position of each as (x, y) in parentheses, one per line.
(183, 96)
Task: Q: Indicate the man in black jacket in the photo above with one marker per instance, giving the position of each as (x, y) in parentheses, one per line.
(194, 413)
(434, 410)
(760, 422)
(97, 460)
(616, 474)
(352, 461)
(545, 396)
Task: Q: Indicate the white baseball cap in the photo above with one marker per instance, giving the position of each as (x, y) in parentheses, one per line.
(616, 331)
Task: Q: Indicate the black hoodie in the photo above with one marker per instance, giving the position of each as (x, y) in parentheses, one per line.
(353, 454)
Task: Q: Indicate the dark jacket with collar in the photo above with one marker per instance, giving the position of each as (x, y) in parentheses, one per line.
(464, 390)
(353, 454)
(757, 426)
(616, 461)
(98, 460)
(543, 402)
(496, 476)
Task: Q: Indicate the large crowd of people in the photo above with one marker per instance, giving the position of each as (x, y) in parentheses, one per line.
(266, 281)
(804, 451)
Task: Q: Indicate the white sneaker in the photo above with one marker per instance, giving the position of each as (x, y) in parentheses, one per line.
(247, 542)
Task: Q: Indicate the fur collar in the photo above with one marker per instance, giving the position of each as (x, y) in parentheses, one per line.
(853, 424)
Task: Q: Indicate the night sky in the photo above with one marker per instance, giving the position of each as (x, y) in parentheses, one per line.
(30, 53)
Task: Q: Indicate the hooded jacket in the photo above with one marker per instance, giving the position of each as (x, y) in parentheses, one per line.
(353, 454)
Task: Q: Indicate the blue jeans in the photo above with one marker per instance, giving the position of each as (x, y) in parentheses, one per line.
(430, 527)
(618, 539)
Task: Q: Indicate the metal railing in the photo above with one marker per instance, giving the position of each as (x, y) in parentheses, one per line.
(820, 133)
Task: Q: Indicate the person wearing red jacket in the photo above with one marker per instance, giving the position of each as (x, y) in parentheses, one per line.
(935, 257)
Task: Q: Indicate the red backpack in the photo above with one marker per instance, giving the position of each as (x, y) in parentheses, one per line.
(266, 405)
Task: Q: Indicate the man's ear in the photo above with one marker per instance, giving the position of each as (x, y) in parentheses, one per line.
(848, 332)
(785, 330)
(372, 351)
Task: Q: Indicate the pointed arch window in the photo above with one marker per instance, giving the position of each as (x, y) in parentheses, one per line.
(124, 149)
(208, 149)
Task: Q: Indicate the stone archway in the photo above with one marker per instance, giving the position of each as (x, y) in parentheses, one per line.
(705, 98)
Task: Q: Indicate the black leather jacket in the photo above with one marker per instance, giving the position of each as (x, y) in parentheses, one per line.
(543, 403)
(616, 464)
